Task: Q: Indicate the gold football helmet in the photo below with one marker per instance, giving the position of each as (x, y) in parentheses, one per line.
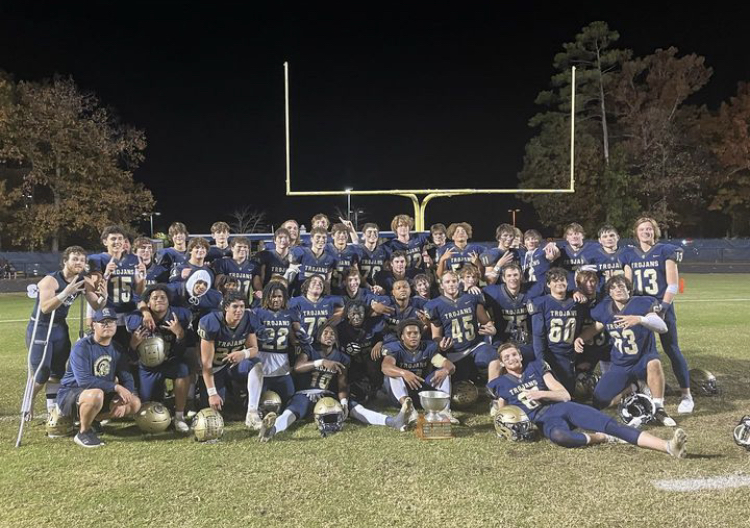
(208, 425)
(465, 394)
(152, 351)
(152, 418)
(329, 416)
(511, 423)
(270, 401)
(58, 426)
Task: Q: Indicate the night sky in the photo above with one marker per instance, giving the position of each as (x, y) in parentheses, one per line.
(385, 96)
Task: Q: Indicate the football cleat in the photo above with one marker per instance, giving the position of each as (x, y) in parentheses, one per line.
(661, 417)
(208, 425)
(676, 446)
(267, 429)
(180, 426)
(153, 418)
(703, 383)
(511, 423)
(742, 433)
(465, 394)
(329, 416)
(686, 406)
(636, 409)
(253, 420)
(400, 421)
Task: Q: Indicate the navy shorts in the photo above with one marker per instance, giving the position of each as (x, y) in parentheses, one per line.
(69, 403)
(152, 378)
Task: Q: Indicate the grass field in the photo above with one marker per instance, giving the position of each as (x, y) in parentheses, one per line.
(370, 476)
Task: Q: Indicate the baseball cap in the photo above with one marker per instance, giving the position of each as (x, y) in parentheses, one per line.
(104, 314)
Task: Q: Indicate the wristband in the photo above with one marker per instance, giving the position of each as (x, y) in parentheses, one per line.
(247, 353)
(674, 289)
(61, 297)
(318, 363)
(212, 391)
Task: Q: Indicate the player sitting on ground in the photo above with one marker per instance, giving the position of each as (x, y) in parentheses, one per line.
(535, 390)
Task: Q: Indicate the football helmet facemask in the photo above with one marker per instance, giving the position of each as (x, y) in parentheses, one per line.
(270, 401)
(703, 383)
(636, 409)
(511, 423)
(329, 416)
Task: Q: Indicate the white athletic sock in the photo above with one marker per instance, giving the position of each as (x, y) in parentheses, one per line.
(286, 419)
(445, 386)
(179, 416)
(659, 402)
(254, 387)
(51, 391)
(398, 387)
(367, 416)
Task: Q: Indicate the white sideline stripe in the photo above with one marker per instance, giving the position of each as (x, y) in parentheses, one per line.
(15, 321)
(678, 301)
(708, 483)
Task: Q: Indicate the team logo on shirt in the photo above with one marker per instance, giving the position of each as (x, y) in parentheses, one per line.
(102, 366)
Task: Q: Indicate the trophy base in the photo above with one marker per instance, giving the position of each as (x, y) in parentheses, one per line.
(440, 430)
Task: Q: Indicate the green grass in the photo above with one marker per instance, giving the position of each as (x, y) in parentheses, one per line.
(371, 476)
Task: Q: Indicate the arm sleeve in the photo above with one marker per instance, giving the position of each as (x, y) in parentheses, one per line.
(654, 323)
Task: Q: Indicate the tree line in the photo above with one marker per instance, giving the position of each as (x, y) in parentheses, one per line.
(641, 147)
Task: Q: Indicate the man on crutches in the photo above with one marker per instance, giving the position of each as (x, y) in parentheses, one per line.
(47, 334)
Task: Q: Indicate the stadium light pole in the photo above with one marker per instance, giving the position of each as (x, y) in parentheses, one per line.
(513, 215)
(151, 220)
(349, 203)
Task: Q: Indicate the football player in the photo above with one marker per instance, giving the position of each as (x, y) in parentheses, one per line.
(168, 257)
(57, 292)
(574, 251)
(411, 244)
(197, 251)
(537, 261)
(293, 227)
(221, 247)
(403, 306)
(97, 383)
(652, 266)
(439, 234)
(229, 350)
(397, 270)
(125, 276)
(346, 256)
(172, 327)
(556, 321)
(547, 403)
(274, 261)
(144, 250)
(463, 318)
(606, 256)
(323, 372)
(315, 308)
(595, 351)
(411, 365)
(422, 286)
(630, 323)
(240, 267)
(453, 256)
(280, 332)
(494, 259)
(509, 306)
(314, 260)
(320, 220)
(373, 256)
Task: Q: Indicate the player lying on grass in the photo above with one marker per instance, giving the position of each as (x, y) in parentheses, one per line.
(535, 390)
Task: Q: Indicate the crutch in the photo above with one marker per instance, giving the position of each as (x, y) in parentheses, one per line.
(28, 402)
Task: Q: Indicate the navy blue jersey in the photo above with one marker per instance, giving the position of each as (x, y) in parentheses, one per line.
(413, 249)
(629, 344)
(357, 341)
(458, 319)
(320, 379)
(135, 321)
(417, 361)
(156, 274)
(121, 283)
(94, 366)
(371, 262)
(215, 253)
(510, 313)
(649, 268)
(363, 294)
(414, 305)
(313, 314)
(555, 325)
(310, 264)
(275, 339)
(213, 327)
(175, 275)
(62, 311)
(489, 257)
(460, 256)
(168, 257)
(599, 348)
(535, 265)
(345, 259)
(513, 389)
(271, 263)
(243, 272)
(198, 306)
(607, 264)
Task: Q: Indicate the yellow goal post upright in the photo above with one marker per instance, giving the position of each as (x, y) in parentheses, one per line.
(420, 206)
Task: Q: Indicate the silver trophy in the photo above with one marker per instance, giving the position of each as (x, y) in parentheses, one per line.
(434, 403)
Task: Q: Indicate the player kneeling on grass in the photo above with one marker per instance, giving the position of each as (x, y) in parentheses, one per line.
(97, 383)
(412, 366)
(631, 323)
(323, 373)
(535, 390)
(155, 365)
